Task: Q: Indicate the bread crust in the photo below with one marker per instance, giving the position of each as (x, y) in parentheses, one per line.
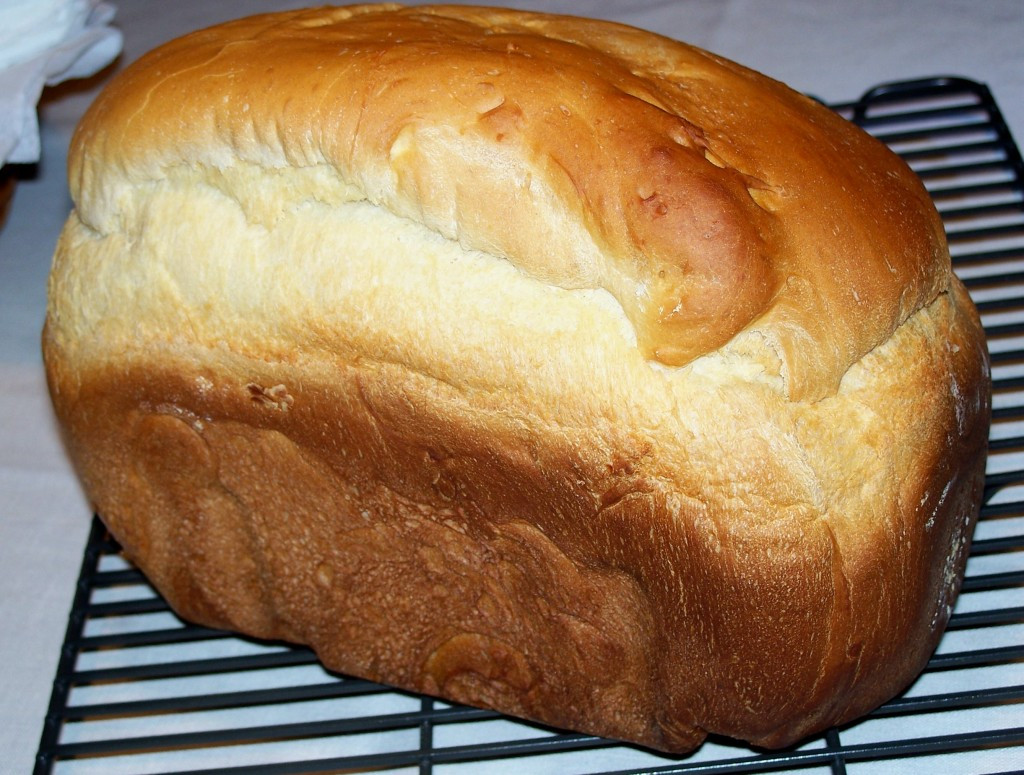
(311, 410)
(706, 198)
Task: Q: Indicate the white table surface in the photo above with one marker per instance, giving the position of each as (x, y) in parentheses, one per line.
(834, 50)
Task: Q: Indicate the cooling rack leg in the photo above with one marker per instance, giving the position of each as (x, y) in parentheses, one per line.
(426, 736)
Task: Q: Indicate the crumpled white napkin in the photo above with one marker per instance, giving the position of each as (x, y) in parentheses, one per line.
(88, 46)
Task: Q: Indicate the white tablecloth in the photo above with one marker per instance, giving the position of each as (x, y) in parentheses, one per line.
(834, 50)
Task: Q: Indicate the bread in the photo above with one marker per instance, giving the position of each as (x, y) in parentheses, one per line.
(533, 362)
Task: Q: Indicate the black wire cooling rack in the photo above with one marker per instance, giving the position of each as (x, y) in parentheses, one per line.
(138, 690)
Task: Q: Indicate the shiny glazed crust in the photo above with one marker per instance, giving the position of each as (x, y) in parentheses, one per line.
(534, 362)
(707, 199)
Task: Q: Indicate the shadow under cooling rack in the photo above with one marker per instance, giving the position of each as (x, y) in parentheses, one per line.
(138, 690)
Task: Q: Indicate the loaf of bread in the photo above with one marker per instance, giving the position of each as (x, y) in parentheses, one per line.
(537, 363)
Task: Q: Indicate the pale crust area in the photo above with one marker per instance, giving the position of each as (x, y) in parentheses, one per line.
(706, 199)
(425, 385)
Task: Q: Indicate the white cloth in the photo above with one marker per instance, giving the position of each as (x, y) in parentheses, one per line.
(76, 41)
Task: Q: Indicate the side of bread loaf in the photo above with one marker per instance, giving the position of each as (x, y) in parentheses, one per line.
(311, 408)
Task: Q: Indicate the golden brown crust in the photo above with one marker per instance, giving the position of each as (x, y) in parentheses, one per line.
(706, 198)
(445, 547)
(309, 412)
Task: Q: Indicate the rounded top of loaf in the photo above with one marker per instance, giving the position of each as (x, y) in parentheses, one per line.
(718, 207)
